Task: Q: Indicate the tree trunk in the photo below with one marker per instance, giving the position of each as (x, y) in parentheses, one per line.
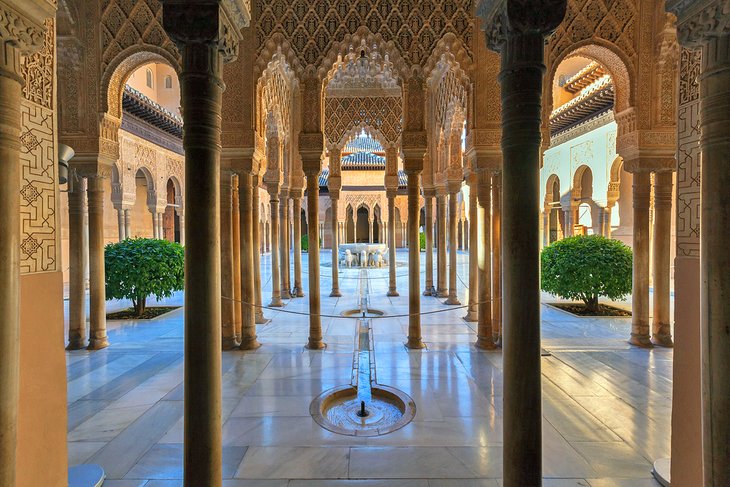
(140, 305)
(591, 303)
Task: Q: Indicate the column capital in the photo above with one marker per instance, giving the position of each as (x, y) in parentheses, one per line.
(505, 18)
(216, 22)
(699, 20)
(296, 193)
(429, 192)
(311, 148)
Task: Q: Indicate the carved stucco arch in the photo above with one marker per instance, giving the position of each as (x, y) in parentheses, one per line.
(552, 179)
(455, 48)
(275, 94)
(178, 190)
(576, 191)
(356, 130)
(152, 195)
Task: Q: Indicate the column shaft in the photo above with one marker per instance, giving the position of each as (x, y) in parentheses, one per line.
(441, 290)
(128, 225)
(154, 225)
(77, 241)
(315, 322)
(248, 247)
(472, 313)
(120, 222)
(284, 245)
(640, 292)
(392, 284)
(335, 249)
(274, 241)
(228, 328)
(97, 290)
(236, 229)
(297, 224)
(256, 216)
(496, 247)
(428, 202)
(485, 330)
(453, 298)
(414, 265)
(661, 325)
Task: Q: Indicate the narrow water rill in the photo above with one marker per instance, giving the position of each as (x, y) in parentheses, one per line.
(363, 407)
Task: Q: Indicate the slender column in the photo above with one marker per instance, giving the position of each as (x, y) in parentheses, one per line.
(155, 227)
(640, 292)
(335, 247)
(472, 313)
(546, 227)
(97, 292)
(428, 202)
(284, 244)
(160, 227)
(315, 341)
(453, 220)
(10, 127)
(128, 225)
(370, 230)
(661, 326)
(287, 255)
(236, 229)
(248, 248)
(466, 225)
(715, 260)
(392, 285)
(181, 217)
(497, 255)
(297, 224)
(607, 222)
(255, 215)
(485, 329)
(77, 241)
(275, 277)
(228, 328)
(521, 41)
(568, 221)
(120, 223)
(441, 290)
(414, 266)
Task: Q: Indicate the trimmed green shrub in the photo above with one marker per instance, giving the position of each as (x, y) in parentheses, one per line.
(305, 243)
(586, 267)
(142, 267)
(422, 240)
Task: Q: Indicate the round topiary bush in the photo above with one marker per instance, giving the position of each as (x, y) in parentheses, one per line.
(586, 267)
(141, 267)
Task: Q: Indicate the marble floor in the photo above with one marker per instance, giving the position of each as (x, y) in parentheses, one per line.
(606, 405)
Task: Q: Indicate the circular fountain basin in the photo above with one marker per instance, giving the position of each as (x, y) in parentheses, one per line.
(337, 410)
(369, 313)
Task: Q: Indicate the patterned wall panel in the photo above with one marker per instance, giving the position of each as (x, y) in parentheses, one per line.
(688, 155)
(39, 181)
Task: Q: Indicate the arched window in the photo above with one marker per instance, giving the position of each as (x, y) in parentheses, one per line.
(168, 82)
(150, 80)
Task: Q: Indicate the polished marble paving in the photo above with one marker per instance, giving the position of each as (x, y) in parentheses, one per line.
(606, 405)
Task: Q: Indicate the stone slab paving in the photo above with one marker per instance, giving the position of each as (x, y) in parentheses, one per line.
(606, 405)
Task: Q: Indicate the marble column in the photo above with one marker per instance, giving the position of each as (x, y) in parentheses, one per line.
(256, 216)
(428, 202)
(315, 341)
(236, 230)
(496, 246)
(77, 241)
(248, 248)
(120, 222)
(155, 227)
(370, 230)
(97, 291)
(714, 238)
(284, 243)
(661, 324)
(297, 225)
(521, 41)
(128, 225)
(568, 221)
(274, 241)
(453, 298)
(181, 217)
(640, 292)
(472, 312)
(485, 328)
(441, 290)
(414, 265)
(334, 200)
(466, 227)
(161, 226)
(228, 328)
(392, 284)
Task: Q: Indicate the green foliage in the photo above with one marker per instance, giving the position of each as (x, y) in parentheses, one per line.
(305, 243)
(422, 240)
(586, 267)
(138, 268)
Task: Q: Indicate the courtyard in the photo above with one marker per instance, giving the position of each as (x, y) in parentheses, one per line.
(606, 405)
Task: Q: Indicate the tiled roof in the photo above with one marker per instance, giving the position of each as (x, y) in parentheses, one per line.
(363, 161)
(144, 108)
(363, 144)
(593, 100)
(325, 174)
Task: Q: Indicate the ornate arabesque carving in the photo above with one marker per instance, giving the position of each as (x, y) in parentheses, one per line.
(26, 35)
(277, 84)
(383, 113)
(708, 21)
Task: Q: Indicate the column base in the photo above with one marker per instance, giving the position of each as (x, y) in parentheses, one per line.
(260, 319)
(315, 345)
(452, 301)
(249, 344)
(662, 340)
(335, 293)
(298, 292)
(76, 345)
(441, 293)
(276, 303)
(485, 343)
(471, 316)
(642, 341)
(415, 344)
(98, 343)
(429, 291)
(392, 293)
(229, 343)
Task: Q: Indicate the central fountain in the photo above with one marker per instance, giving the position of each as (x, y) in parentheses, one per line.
(363, 407)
